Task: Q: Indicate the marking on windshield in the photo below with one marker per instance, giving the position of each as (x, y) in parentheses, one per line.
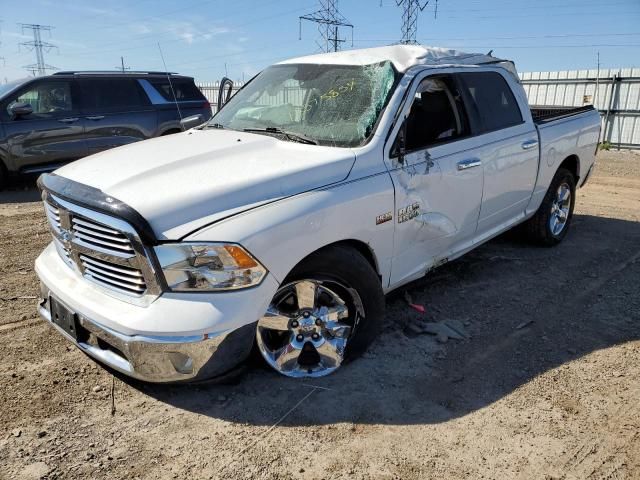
(333, 93)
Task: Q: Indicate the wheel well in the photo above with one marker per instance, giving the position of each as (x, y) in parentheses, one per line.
(357, 245)
(171, 131)
(572, 163)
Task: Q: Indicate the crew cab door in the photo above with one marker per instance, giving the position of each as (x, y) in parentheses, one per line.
(49, 136)
(437, 177)
(509, 148)
(117, 112)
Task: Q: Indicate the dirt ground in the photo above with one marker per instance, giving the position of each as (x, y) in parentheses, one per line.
(546, 385)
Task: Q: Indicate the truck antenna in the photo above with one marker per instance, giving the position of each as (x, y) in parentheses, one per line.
(171, 85)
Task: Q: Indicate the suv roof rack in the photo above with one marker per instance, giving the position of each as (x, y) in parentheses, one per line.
(112, 72)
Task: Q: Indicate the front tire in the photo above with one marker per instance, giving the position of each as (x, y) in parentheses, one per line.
(550, 224)
(327, 310)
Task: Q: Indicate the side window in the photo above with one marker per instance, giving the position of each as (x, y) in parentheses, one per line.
(112, 94)
(495, 104)
(436, 116)
(185, 90)
(47, 99)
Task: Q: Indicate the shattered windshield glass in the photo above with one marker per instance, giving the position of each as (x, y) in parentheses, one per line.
(336, 105)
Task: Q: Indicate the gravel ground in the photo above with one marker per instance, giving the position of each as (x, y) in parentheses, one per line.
(543, 383)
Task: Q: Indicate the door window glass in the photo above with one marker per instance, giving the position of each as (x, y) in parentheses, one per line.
(436, 115)
(494, 101)
(47, 98)
(111, 94)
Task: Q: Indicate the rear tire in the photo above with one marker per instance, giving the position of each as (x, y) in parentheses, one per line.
(550, 224)
(327, 311)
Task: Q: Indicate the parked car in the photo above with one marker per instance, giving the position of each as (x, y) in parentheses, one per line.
(48, 121)
(325, 183)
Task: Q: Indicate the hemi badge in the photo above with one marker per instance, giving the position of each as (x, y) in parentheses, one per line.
(385, 217)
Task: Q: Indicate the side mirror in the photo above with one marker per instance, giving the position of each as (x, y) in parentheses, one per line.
(224, 92)
(20, 109)
(192, 121)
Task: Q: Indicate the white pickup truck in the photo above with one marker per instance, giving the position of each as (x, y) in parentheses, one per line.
(324, 183)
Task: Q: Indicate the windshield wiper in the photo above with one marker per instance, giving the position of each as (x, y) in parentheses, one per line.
(294, 137)
(215, 125)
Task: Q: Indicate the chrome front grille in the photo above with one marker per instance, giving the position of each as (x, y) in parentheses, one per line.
(53, 215)
(103, 249)
(97, 235)
(112, 275)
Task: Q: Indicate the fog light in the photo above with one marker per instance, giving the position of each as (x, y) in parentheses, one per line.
(181, 362)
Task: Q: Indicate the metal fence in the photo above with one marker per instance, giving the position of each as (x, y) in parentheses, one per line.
(210, 90)
(615, 93)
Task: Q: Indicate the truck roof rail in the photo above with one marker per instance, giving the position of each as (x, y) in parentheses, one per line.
(111, 72)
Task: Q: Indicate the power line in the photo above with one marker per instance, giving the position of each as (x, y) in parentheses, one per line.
(39, 46)
(516, 37)
(277, 14)
(410, 12)
(592, 45)
(538, 5)
(329, 21)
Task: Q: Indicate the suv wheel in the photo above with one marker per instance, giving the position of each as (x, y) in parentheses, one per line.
(328, 309)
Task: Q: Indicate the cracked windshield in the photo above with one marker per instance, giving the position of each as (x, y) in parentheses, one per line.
(335, 105)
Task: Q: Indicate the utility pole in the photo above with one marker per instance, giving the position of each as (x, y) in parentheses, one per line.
(122, 67)
(39, 46)
(410, 12)
(2, 58)
(595, 96)
(329, 20)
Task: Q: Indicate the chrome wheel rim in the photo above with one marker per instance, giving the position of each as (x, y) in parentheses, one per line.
(305, 330)
(560, 209)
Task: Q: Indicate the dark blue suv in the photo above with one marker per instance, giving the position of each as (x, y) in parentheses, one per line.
(48, 121)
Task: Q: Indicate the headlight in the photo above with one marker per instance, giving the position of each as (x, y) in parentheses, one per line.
(208, 266)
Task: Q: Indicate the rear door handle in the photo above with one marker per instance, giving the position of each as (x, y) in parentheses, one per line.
(95, 117)
(529, 144)
(69, 120)
(471, 163)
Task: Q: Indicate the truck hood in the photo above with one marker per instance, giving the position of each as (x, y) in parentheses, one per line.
(183, 182)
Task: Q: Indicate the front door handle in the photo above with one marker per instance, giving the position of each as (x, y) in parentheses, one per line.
(95, 117)
(471, 163)
(69, 120)
(529, 144)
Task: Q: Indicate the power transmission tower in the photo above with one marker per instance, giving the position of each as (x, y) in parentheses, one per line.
(39, 46)
(411, 9)
(329, 20)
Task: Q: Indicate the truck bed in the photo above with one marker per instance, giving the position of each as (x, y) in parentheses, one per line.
(545, 114)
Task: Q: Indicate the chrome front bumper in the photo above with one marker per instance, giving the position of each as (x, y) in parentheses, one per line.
(158, 358)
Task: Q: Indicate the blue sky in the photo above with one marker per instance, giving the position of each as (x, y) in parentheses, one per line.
(205, 38)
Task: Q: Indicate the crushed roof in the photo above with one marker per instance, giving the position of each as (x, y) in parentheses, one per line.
(403, 57)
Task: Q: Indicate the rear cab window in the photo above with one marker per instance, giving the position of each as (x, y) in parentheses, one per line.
(491, 100)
